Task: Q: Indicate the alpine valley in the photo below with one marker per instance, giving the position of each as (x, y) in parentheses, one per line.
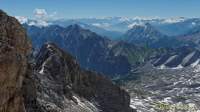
(111, 64)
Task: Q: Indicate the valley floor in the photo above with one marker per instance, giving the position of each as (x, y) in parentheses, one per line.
(165, 90)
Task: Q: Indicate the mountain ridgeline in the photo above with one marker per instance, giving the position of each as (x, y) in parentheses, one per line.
(148, 35)
(155, 60)
(92, 51)
(53, 81)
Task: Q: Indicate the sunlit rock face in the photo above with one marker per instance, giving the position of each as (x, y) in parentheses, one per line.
(14, 48)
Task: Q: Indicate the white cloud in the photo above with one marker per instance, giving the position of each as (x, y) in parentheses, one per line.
(40, 13)
(42, 17)
(43, 14)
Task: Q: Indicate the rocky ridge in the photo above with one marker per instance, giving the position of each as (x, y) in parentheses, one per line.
(62, 86)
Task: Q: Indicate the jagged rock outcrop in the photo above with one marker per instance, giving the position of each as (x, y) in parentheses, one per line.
(14, 48)
(62, 86)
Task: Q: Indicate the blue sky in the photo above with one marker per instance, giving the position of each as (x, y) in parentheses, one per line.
(104, 8)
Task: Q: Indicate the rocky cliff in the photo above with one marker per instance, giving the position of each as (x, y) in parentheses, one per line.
(63, 87)
(14, 48)
(53, 82)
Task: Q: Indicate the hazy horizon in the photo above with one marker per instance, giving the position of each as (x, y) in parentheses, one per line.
(68, 9)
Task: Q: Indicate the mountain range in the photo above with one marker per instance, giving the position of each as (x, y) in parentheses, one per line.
(156, 60)
(51, 81)
(133, 48)
(92, 51)
(114, 27)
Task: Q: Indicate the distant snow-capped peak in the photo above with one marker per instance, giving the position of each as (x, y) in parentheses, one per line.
(101, 25)
(22, 19)
(136, 24)
(37, 22)
(145, 18)
(122, 19)
(174, 20)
